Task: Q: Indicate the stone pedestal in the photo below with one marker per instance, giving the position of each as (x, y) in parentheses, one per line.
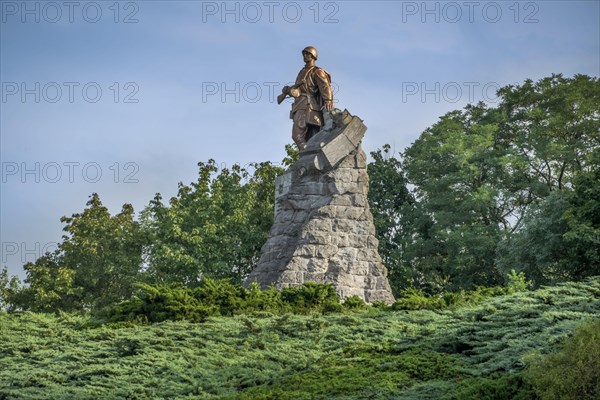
(323, 230)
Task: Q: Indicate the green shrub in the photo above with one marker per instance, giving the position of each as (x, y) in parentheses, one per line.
(466, 353)
(494, 387)
(380, 305)
(355, 303)
(160, 303)
(415, 299)
(156, 303)
(574, 371)
(267, 300)
(312, 297)
(517, 282)
(222, 295)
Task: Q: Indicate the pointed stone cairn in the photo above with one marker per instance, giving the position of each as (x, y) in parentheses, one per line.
(323, 230)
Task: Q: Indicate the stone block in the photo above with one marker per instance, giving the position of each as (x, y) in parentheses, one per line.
(336, 150)
(357, 241)
(355, 131)
(325, 251)
(315, 237)
(313, 188)
(346, 255)
(318, 224)
(283, 184)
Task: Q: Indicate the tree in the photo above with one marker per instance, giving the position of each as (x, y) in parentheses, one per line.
(458, 173)
(390, 202)
(104, 251)
(215, 226)
(572, 372)
(552, 126)
(50, 286)
(481, 174)
(539, 248)
(96, 264)
(561, 236)
(583, 221)
(9, 289)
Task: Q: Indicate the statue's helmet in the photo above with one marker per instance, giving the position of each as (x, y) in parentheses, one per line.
(311, 50)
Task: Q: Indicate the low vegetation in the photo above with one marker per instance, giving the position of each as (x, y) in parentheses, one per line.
(502, 346)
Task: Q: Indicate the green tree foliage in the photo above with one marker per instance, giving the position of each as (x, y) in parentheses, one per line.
(104, 251)
(552, 127)
(539, 248)
(214, 226)
(391, 205)
(9, 289)
(583, 221)
(574, 371)
(49, 286)
(459, 177)
(96, 264)
(560, 239)
(487, 182)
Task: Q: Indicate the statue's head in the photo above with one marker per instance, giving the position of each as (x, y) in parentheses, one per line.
(311, 51)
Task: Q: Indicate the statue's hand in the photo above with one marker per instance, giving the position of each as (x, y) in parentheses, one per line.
(328, 105)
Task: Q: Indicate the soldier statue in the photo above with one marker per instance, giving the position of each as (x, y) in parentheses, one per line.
(312, 95)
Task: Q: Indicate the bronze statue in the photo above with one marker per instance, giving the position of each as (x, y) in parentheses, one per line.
(312, 93)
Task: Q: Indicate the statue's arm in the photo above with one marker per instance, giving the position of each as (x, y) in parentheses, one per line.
(323, 82)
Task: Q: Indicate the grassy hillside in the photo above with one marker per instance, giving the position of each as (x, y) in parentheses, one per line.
(469, 353)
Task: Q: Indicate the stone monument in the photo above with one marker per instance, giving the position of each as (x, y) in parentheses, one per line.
(323, 230)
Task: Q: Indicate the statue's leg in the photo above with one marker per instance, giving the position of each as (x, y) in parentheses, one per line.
(311, 131)
(299, 130)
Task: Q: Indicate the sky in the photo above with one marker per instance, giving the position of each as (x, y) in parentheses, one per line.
(124, 98)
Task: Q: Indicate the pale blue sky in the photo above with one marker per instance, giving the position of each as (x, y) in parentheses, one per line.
(381, 54)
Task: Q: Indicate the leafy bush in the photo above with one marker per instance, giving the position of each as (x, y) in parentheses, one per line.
(160, 303)
(156, 303)
(312, 297)
(416, 299)
(9, 287)
(473, 352)
(517, 282)
(574, 371)
(494, 387)
(355, 303)
(221, 295)
(268, 300)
